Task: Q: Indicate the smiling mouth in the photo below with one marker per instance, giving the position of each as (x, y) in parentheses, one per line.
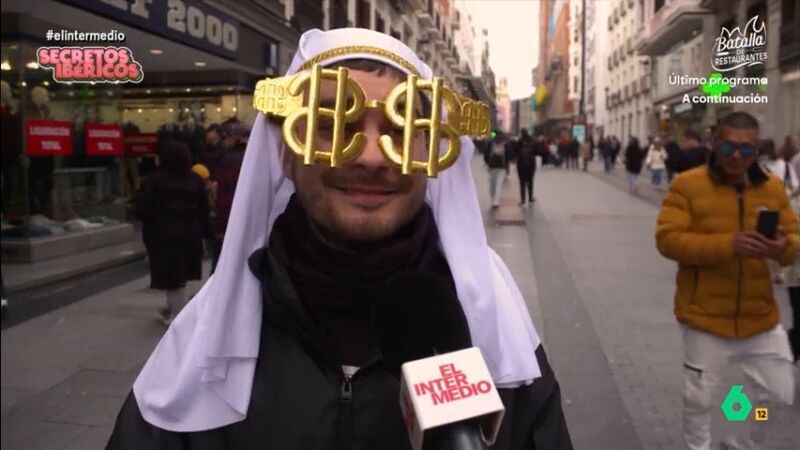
(366, 190)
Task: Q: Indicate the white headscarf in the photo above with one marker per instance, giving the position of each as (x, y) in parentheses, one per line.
(200, 375)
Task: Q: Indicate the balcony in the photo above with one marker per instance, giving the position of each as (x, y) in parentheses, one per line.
(425, 15)
(671, 25)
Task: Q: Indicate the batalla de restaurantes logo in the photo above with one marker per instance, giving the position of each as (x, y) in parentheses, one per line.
(736, 48)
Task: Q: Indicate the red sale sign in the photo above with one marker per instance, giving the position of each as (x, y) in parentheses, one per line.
(140, 143)
(47, 137)
(102, 140)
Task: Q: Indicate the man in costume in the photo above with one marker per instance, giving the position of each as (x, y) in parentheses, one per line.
(352, 175)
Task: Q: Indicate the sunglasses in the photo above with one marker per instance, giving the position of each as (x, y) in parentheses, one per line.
(746, 150)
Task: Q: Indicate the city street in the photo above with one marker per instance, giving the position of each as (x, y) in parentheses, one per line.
(600, 295)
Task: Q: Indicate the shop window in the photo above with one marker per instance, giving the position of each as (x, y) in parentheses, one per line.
(72, 184)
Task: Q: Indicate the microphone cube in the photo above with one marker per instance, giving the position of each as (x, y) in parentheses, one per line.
(449, 388)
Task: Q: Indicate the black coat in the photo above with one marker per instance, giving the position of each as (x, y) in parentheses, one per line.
(302, 400)
(173, 206)
(634, 158)
(175, 219)
(691, 158)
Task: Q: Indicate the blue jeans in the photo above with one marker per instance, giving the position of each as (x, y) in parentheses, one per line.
(657, 175)
(632, 177)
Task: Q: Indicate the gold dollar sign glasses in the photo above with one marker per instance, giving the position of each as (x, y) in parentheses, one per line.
(283, 98)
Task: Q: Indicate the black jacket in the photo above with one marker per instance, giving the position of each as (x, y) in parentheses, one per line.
(691, 158)
(302, 400)
(173, 206)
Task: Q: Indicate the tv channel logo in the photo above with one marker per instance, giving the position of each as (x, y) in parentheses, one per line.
(736, 406)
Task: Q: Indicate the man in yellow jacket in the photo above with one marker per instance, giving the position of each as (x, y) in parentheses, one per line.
(724, 297)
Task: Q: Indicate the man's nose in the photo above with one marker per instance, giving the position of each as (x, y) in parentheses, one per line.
(371, 157)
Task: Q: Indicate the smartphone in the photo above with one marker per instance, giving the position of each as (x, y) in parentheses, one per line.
(768, 223)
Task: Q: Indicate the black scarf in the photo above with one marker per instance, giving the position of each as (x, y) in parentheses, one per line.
(334, 285)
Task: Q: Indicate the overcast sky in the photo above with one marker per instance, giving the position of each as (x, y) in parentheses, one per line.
(513, 39)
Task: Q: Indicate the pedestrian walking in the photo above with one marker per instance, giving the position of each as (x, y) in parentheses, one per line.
(553, 151)
(585, 153)
(211, 193)
(213, 150)
(563, 151)
(724, 298)
(634, 159)
(226, 176)
(656, 161)
(791, 155)
(279, 349)
(605, 153)
(510, 147)
(693, 153)
(573, 150)
(616, 147)
(526, 166)
(173, 208)
(673, 161)
(496, 162)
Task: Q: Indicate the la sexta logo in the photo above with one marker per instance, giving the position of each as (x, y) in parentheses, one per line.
(737, 48)
(90, 64)
(451, 386)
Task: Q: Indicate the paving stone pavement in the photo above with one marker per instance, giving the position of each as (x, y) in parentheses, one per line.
(66, 373)
(607, 239)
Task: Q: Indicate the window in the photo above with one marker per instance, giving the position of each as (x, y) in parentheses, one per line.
(788, 11)
(396, 34)
(271, 58)
(575, 84)
(658, 5)
(338, 14)
(363, 13)
(380, 25)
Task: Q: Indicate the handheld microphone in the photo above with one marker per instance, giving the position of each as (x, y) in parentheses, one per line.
(447, 396)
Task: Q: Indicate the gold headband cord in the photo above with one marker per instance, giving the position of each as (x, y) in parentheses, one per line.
(283, 98)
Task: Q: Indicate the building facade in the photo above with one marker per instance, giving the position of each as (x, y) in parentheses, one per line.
(680, 37)
(628, 85)
(555, 110)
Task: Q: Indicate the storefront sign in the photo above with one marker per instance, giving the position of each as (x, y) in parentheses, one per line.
(579, 132)
(102, 140)
(47, 137)
(191, 22)
(140, 143)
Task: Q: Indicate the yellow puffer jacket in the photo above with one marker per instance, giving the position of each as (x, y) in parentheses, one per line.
(718, 292)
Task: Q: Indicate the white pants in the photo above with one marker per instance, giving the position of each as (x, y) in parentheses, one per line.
(764, 358)
(496, 177)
